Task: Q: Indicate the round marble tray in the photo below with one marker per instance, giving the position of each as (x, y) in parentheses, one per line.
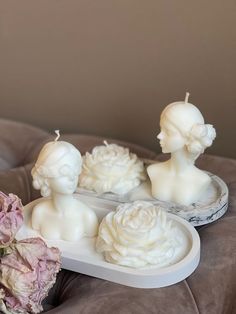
(81, 256)
(211, 207)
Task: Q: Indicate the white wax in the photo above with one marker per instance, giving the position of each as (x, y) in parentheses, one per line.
(139, 234)
(56, 174)
(185, 136)
(111, 168)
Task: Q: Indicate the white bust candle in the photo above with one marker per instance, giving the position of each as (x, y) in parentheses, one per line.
(62, 216)
(185, 135)
(111, 168)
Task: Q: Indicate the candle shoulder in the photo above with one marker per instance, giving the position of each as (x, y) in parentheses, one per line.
(182, 188)
(70, 224)
(157, 169)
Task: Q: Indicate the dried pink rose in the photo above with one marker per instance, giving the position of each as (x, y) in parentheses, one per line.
(26, 275)
(11, 218)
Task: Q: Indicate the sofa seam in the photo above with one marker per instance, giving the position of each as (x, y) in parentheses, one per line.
(192, 296)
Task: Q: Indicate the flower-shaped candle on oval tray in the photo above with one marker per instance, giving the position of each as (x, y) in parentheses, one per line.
(140, 234)
(111, 168)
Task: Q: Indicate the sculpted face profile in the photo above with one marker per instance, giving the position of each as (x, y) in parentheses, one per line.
(185, 136)
(55, 174)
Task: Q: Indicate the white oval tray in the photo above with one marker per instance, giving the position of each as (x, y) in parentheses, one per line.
(81, 257)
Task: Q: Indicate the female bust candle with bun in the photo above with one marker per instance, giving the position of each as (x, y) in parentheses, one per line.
(56, 174)
(185, 135)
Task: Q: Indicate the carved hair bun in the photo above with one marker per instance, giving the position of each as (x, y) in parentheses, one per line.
(200, 137)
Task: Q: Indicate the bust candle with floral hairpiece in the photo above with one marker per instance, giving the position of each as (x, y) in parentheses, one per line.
(56, 174)
(185, 135)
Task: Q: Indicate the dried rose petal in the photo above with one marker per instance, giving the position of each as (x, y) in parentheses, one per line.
(27, 274)
(11, 217)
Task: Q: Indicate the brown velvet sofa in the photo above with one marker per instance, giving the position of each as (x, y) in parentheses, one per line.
(211, 289)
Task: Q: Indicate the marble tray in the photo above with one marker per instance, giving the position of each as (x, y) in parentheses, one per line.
(81, 256)
(211, 207)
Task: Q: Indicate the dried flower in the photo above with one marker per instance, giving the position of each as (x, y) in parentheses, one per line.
(11, 218)
(26, 275)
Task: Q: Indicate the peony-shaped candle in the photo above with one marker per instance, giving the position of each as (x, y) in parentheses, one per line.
(136, 235)
(111, 168)
(27, 273)
(11, 218)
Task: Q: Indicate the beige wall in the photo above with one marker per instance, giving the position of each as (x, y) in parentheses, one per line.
(108, 67)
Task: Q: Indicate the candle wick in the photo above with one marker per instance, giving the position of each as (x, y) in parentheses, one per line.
(105, 142)
(58, 135)
(186, 97)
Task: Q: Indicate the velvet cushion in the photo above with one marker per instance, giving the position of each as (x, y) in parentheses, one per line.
(210, 289)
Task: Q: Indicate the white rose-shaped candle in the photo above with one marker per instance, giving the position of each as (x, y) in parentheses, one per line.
(137, 235)
(111, 168)
(185, 135)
